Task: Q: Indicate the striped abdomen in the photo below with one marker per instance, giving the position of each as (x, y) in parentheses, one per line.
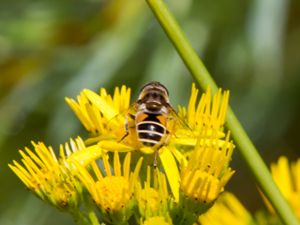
(150, 131)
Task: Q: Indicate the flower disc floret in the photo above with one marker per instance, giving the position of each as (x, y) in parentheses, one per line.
(113, 192)
(149, 199)
(111, 188)
(152, 197)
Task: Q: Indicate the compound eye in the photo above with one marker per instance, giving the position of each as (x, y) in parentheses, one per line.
(155, 95)
(161, 98)
(147, 96)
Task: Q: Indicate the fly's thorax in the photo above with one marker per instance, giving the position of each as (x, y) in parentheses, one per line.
(154, 93)
(153, 108)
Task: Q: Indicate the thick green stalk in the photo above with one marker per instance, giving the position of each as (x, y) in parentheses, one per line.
(244, 144)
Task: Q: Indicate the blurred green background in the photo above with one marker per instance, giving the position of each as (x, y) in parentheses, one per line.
(52, 49)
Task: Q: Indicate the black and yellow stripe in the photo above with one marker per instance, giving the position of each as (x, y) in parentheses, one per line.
(150, 130)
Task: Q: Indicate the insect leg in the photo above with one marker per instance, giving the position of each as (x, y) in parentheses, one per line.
(127, 126)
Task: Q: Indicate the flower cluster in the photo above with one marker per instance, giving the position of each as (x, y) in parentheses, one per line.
(117, 175)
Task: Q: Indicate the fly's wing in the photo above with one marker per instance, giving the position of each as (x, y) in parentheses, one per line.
(115, 126)
(186, 136)
(179, 129)
(123, 126)
(122, 118)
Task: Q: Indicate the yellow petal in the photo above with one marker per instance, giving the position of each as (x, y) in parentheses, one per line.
(85, 156)
(170, 167)
(108, 111)
(113, 146)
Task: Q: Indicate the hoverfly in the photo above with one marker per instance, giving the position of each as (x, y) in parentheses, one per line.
(152, 116)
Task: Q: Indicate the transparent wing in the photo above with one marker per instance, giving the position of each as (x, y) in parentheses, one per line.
(114, 128)
(179, 129)
(122, 118)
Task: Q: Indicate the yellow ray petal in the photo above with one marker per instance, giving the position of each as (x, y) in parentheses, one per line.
(87, 155)
(108, 111)
(171, 170)
(117, 165)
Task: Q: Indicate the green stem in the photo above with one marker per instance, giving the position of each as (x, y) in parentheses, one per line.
(90, 213)
(93, 218)
(204, 79)
(85, 218)
(87, 215)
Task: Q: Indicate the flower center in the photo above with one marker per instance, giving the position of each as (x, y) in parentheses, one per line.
(149, 199)
(113, 193)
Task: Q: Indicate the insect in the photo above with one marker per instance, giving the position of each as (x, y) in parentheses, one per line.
(152, 115)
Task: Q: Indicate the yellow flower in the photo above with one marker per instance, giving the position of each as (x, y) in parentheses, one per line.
(104, 117)
(47, 176)
(226, 211)
(209, 115)
(203, 178)
(112, 193)
(153, 196)
(205, 167)
(207, 170)
(287, 178)
(200, 124)
(192, 168)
